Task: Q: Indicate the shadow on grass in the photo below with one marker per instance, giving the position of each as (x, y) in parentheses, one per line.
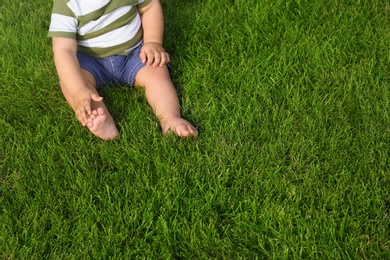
(178, 31)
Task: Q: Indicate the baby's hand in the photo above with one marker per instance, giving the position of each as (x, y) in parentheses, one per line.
(82, 103)
(154, 54)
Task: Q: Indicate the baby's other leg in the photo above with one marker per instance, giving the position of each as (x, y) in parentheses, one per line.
(162, 97)
(100, 122)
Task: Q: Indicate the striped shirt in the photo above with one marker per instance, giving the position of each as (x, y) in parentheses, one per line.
(101, 28)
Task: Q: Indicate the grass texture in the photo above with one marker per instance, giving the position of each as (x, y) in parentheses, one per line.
(291, 99)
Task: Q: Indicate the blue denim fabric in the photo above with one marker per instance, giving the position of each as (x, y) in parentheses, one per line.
(117, 69)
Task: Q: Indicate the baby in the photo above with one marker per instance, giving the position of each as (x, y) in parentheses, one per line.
(113, 41)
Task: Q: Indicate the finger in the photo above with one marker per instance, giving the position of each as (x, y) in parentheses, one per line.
(157, 59)
(82, 116)
(164, 59)
(96, 97)
(142, 56)
(168, 58)
(150, 58)
(87, 107)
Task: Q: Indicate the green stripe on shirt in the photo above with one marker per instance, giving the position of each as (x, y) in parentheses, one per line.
(122, 21)
(109, 51)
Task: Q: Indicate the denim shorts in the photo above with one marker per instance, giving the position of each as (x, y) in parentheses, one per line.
(115, 69)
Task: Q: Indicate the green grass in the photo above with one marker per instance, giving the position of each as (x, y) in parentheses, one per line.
(291, 99)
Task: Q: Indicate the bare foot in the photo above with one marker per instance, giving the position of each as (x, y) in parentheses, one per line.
(179, 126)
(101, 124)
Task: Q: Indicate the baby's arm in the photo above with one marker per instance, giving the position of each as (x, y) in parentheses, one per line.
(71, 78)
(153, 28)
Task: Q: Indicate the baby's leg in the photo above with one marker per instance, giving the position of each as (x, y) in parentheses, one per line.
(162, 97)
(100, 122)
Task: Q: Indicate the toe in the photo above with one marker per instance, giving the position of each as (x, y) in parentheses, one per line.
(100, 111)
(187, 131)
(180, 127)
(184, 133)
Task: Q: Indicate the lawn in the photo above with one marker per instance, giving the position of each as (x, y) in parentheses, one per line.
(291, 100)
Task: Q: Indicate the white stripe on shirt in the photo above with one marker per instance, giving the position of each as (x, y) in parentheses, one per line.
(84, 7)
(104, 21)
(62, 23)
(121, 35)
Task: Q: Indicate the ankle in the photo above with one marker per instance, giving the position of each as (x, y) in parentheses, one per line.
(168, 117)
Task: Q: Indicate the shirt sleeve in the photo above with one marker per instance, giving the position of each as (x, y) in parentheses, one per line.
(63, 21)
(143, 3)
